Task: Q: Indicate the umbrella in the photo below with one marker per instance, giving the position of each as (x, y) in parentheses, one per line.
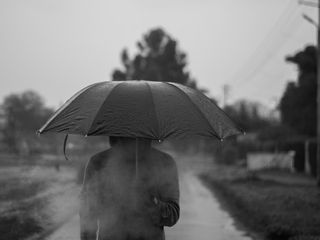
(147, 109)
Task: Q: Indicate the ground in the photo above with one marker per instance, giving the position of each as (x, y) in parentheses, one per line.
(35, 197)
(53, 195)
(39, 200)
(201, 217)
(274, 204)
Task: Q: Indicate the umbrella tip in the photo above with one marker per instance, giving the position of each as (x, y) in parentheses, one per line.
(38, 133)
(221, 139)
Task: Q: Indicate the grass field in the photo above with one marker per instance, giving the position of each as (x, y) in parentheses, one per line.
(34, 197)
(276, 207)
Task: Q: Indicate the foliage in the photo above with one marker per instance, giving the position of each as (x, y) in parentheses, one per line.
(247, 115)
(278, 132)
(24, 114)
(158, 59)
(277, 210)
(227, 153)
(298, 103)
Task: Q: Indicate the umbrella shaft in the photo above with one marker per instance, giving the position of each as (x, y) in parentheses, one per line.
(136, 162)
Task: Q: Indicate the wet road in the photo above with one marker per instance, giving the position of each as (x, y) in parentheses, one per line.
(201, 215)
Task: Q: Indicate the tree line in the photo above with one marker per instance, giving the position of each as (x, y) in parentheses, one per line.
(22, 114)
(159, 58)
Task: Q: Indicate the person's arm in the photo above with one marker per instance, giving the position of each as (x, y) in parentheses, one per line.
(168, 199)
(88, 197)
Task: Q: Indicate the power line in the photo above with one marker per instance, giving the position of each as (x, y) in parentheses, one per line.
(264, 41)
(268, 49)
(250, 76)
(267, 45)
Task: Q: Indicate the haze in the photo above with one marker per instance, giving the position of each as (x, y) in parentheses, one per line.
(57, 47)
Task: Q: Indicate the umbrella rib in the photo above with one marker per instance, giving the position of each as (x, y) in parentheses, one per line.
(226, 115)
(65, 105)
(155, 112)
(195, 107)
(99, 110)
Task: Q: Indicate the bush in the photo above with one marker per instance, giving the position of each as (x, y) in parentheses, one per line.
(277, 211)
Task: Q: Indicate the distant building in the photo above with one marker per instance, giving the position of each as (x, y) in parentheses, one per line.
(264, 160)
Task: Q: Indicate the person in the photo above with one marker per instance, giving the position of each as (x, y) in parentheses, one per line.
(130, 192)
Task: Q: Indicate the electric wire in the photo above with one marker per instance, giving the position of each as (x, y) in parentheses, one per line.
(272, 50)
(263, 52)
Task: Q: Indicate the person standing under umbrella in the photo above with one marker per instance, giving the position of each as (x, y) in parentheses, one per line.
(123, 199)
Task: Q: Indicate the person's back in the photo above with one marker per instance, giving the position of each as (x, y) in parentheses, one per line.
(129, 201)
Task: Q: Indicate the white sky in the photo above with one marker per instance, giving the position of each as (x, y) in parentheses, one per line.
(57, 47)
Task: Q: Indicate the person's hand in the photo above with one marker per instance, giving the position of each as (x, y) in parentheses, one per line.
(155, 200)
(154, 211)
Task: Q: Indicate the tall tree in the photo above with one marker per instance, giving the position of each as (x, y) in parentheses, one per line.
(298, 103)
(158, 59)
(24, 113)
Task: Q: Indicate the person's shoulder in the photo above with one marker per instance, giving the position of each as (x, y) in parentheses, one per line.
(100, 155)
(163, 157)
(97, 160)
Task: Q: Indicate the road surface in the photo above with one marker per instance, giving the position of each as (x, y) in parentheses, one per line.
(202, 217)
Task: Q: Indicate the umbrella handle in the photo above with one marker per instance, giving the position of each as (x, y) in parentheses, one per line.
(64, 146)
(136, 162)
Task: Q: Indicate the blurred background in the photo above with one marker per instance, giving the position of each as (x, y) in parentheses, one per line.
(257, 60)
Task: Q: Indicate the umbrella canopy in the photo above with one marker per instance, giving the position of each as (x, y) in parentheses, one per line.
(148, 109)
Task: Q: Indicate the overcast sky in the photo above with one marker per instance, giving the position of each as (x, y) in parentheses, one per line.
(57, 47)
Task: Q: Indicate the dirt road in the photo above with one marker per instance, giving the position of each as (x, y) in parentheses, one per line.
(201, 215)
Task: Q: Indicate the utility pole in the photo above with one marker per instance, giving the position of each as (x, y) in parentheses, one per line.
(226, 91)
(317, 5)
(318, 98)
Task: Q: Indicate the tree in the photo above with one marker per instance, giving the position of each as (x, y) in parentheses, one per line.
(158, 59)
(298, 103)
(24, 114)
(248, 116)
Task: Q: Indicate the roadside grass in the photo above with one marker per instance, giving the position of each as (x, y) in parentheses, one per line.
(20, 218)
(18, 227)
(33, 195)
(19, 188)
(24, 221)
(272, 209)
